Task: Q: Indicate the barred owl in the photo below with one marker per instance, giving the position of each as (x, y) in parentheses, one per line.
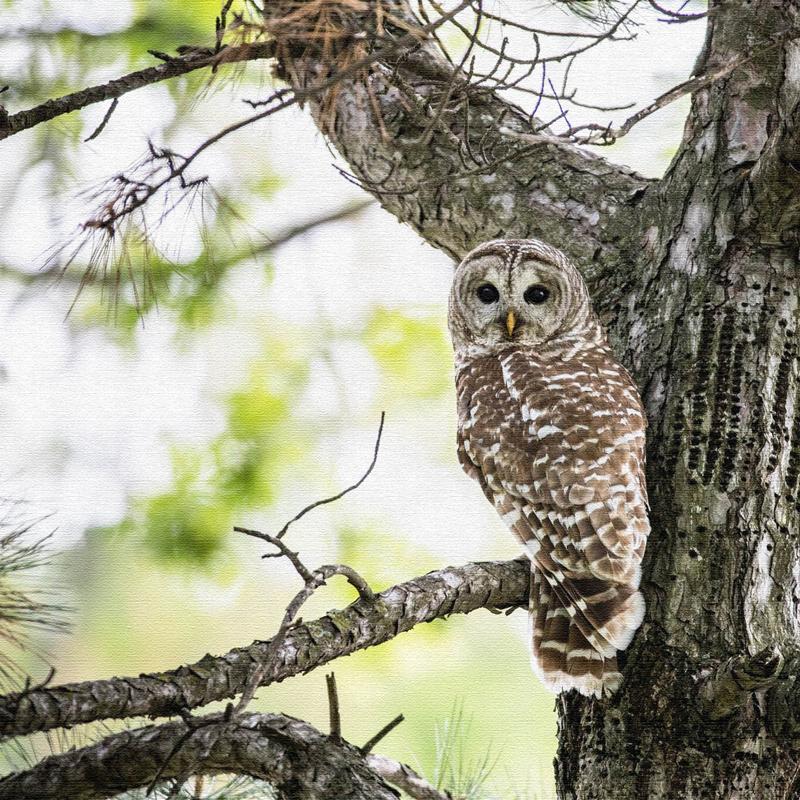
(552, 428)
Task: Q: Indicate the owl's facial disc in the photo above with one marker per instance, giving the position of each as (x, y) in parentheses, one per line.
(527, 302)
(481, 291)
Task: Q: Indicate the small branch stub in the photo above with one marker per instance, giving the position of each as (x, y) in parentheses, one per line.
(405, 778)
(333, 708)
(732, 683)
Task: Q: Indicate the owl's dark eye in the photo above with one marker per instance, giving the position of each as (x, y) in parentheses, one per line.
(536, 294)
(488, 294)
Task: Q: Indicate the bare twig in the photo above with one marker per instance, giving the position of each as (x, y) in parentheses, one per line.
(99, 129)
(593, 133)
(382, 734)
(341, 494)
(283, 551)
(427, 133)
(313, 581)
(35, 687)
(678, 16)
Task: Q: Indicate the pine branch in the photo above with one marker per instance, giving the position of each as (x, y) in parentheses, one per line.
(172, 68)
(306, 646)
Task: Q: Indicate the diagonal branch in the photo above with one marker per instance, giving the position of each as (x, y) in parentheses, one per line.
(365, 623)
(402, 776)
(296, 759)
(179, 65)
(261, 248)
(421, 136)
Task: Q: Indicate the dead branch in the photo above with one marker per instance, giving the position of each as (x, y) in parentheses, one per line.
(403, 777)
(312, 580)
(341, 494)
(106, 117)
(334, 714)
(382, 734)
(678, 16)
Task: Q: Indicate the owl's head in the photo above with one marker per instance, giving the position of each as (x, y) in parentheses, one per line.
(517, 291)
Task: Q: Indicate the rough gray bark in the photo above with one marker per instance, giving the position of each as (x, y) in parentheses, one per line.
(298, 761)
(711, 330)
(697, 275)
(457, 178)
(454, 590)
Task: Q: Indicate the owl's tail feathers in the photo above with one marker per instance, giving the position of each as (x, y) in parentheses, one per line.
(571, 649)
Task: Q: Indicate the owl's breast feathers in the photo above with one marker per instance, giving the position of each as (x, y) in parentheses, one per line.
(557, 445)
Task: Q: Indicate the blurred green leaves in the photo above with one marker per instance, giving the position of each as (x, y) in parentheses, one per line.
(254, 449)
(412, 351)
(188, 523)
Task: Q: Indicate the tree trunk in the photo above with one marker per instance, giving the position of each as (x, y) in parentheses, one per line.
(711, 331)
(697, 278)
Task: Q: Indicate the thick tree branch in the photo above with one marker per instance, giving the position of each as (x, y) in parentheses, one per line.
(446, 169)
(179, 65)
(454, 590)
(296, 759)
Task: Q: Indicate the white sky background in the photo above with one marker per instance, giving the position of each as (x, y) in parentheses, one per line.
(85, 424)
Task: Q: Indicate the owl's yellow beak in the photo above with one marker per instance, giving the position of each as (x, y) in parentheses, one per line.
(511, 321)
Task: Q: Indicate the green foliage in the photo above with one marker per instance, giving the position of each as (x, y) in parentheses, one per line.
(182, 525)
(249, 456)
(160, 25)
(189, 523)
(413, 353)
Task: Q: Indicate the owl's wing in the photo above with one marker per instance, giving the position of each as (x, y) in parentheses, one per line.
(546, 453)
(587, 490)
(471, 467)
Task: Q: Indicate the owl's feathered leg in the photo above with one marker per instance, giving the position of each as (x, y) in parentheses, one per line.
(562, 655)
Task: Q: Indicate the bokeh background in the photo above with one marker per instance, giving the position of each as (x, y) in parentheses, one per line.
(245, 381)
